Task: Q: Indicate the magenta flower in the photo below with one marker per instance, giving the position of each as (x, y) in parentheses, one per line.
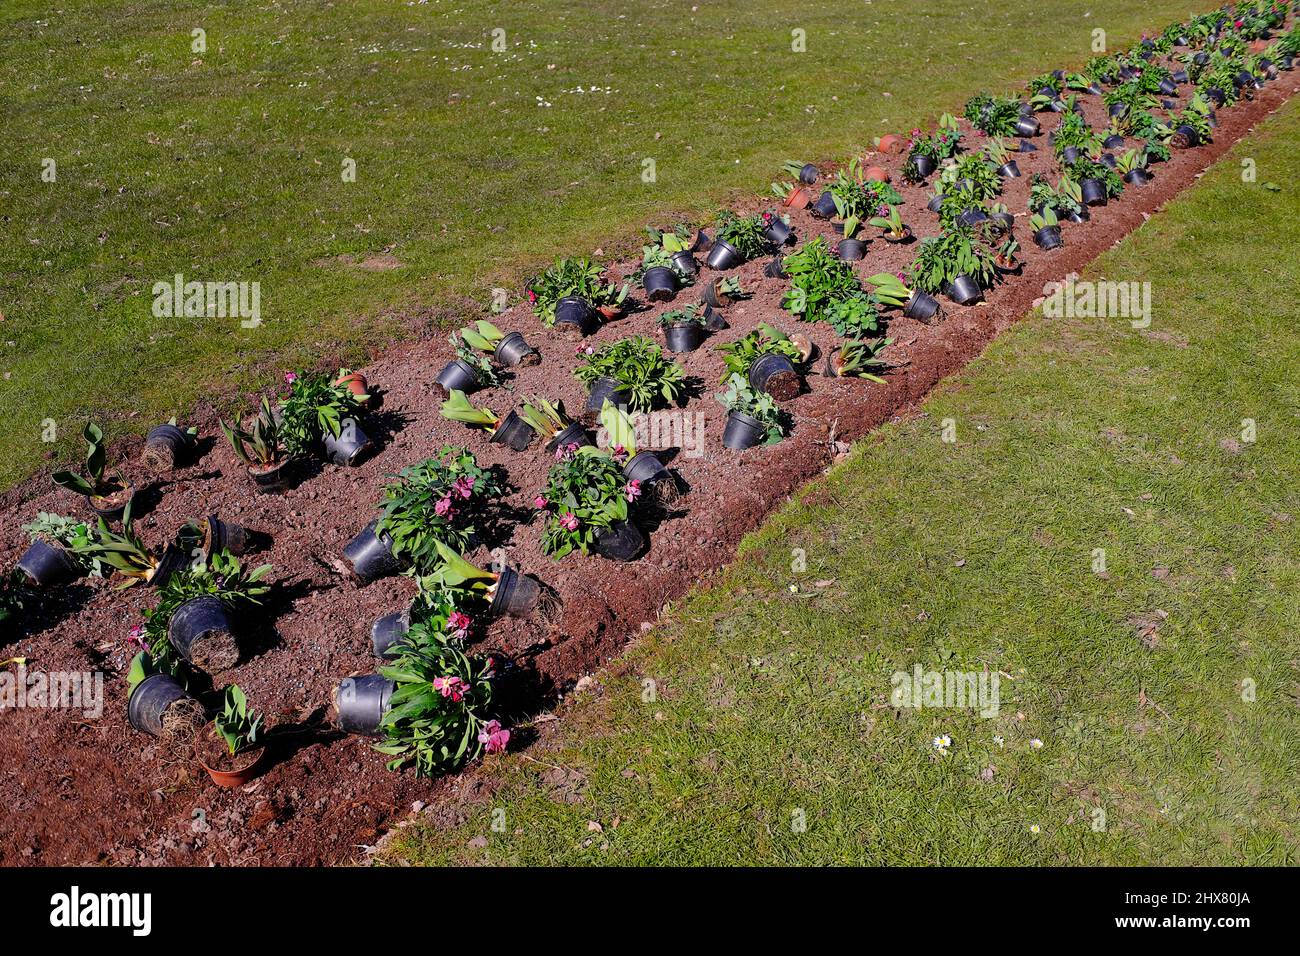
(532, 296)
(464, 485)
(290, 377)
(493, 738)
(136, 638)
(539, 502)
(452, 687)
(633, 489)
(569, 521)
(620, 451)
(459, 624)
(443, 508)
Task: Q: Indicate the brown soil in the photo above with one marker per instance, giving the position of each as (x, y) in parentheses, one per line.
(213, 753)
(79, 790)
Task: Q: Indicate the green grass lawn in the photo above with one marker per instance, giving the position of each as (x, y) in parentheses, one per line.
(472, 166)
(769, 736)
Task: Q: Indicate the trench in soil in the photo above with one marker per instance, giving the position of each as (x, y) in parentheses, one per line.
(84, 788)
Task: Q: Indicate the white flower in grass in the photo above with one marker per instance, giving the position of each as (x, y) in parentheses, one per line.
(942, 743)
(997, 739)
(1035, 828)
(1035, 744)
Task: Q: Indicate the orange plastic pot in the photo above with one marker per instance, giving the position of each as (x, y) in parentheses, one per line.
(891, 143)
(244, 771)
(357, 385)
(879, 173)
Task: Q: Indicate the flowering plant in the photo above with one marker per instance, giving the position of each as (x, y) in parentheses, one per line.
(577, 277)
(316, 404)
(435, 500)
(639, 365)
(436, 721)
(585, 493)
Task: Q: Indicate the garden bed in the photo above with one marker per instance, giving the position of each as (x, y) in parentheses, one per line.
(83, 790)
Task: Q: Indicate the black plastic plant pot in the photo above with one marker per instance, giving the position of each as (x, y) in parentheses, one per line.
(48, 564)
(1245, 78)
(743, 432)
(851, 250)
(1216, 96)
(113, 512)
(723, 255)
(514, 350)
(1117, 110)
(1094, 192)
(921, 306)
(350, 447)
(685, 262)
(1094, 89)
(710, 296)
(274, 480)
(702, 241)
(824, 207)
(516, 594)
(808, 174)
(1179, 76)
(388, 630)
(1027, 147)
(778, 232)
(1027, 126)
(362, 702)
(1079, 215)
(685, 337)
(458, 374)
(923, 164)
(646, 468)
(1049, 237)
(1201, 59)
(972, 217)
(1006, 220)
(1009, 170)
(775, 374)
(775, 269)
(621, 541)
(1109, 160)
(513, 432)
(153, 697)
(173, 559)
(1137, 177)
(200, 632)
(1287, 63)
(165, 447)
(964, 290)
(714, 320)
(575, 317)
(606, 388)
(660, 284)
(1169, 104)
(1113, 142)
(1168, 87)
(571, 434)
(1056, 106)
(935, 203)
(370, 554)
(224, 536)
(1070, 154)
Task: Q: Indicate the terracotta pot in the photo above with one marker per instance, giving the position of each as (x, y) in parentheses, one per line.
(892, 143)
(879, 173)
(356, 383)
(799, 198)
(245, 769)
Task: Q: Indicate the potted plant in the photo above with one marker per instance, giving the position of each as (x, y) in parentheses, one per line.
(585, 507)
(52, 559)
(355, 382)
(683, 329)
(777, 229)
(509, 349)
(108, 494)
(805, 173)
(1097, 182)
(767, 358)
(1001, 160)
(166, 446)
(891, 225)
(468, 371)
(855, 357)
(738, 239)
(635, 367)
(431, 501)
(955, 264)
(926, 153)
(127, 554)
(722, 292)
(433, 714)
(1004, 258)
(858, 198)
(1047, 229)
(1132, 167)
(570, 292)
(652, 477)
(511, 431)
(318, 413)
(793, 196)
(891, 290)
(659, 275)
(553, 425)
(1192, 128)
(823, 288)
(262, 450)
(999, 116)
(159, 705)
(230, 749)
(507, 591)
(753, 418)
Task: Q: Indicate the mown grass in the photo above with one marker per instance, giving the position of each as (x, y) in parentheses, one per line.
(226, 165)
(770, 739)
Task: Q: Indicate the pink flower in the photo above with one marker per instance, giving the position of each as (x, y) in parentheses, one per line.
(581, 349)
(290, 377)
(569, 521)
(633, 490)
(452, 687)
(136, 638)
(443, 508)
(539, 502)
(620, 451)
(459, 624)
(493, 738)
(532, 296)
(464, 485)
